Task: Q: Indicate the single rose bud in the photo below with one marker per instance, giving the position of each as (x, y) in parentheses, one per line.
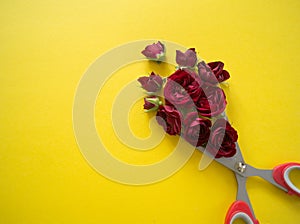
(187, 59)
(151, 103)
(155, 51)
(152, 83)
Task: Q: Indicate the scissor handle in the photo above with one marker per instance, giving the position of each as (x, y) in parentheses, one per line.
(281, 176)
(240, 210)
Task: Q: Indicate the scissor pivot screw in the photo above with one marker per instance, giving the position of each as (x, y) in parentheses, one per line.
(241, 167)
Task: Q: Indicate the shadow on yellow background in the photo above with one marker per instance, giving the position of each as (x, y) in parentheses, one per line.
(45, 48)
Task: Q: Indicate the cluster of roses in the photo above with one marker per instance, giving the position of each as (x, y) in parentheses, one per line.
(193, 102)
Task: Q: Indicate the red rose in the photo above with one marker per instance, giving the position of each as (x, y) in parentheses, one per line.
(168, 117)
(222, 140)
(217, 69)
(212, 72)
(196, 130)
(182, 88)
(152, 83)
(212, 101)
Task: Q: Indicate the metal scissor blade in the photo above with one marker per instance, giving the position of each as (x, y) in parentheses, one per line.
(231, 163)
(264, 174)
(242, 194)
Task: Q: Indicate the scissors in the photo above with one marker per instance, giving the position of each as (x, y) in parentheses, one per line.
(279, 176)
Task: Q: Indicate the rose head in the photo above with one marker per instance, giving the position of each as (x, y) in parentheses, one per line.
(206, 74)
(219, 72)
(187, 59)
(152, 83)
(196, 130)
(182, 88)
(154, 51)
(212, 101)
(212, 73)
(222, 140)
(169, 118)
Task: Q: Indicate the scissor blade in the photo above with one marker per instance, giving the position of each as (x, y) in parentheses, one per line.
(265, 174)
(229, 162)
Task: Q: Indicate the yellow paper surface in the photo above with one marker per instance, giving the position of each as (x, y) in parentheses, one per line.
(46, 46)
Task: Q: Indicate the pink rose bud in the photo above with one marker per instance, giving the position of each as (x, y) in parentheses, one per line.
(187, 59)
(152, 83)
(151, 103)
(154, 51)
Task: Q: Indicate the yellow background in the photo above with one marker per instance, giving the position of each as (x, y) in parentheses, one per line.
(47, 45)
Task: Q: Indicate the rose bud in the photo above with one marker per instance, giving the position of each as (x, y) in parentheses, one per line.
(187, 59)
(154, 51)
(169, 118)
(212, 101)
(222, 140)
(151, 103)
(152, 83)
(196, 130)
(182, 88)
(212, 72)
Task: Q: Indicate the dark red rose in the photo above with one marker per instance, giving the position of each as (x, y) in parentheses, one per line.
(212, 73)
(182, 88)
(212, 101)
(217, 69)
(152, 83)
(206, 74)
(196, 130)
(222, 140)
(168, 117)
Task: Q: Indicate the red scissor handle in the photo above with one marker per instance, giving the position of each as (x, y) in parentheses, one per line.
(240, 210)
(281, 176)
